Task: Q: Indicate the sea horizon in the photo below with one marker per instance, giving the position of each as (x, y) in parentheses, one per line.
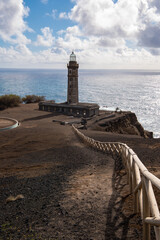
(96, 69)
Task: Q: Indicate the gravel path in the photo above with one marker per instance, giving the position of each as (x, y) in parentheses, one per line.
(76, 200)
(70, 191)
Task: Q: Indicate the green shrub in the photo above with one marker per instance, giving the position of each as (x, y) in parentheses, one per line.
(33, 99)
(10, 100)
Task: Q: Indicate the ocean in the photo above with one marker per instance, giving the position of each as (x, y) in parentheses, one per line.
(132, 90)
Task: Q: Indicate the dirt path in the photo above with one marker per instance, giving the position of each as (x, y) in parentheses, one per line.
(70, 191)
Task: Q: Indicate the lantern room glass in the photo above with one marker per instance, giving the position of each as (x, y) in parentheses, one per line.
(73, 57)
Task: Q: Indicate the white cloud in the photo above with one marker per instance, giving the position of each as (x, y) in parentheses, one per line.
(91, 58)
(74, 31)
(101, 17)
(135, 20)
(150, 37)
(70, 42)
(46, 39)
(53, 14)
(109, 42)
(12, 24)
(44, 1)
(107, 35)
(155, 3)
(21, 48)
(19, 56)
(63, 15)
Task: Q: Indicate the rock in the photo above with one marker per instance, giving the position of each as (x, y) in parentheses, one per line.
(124, 123)
(12, 198)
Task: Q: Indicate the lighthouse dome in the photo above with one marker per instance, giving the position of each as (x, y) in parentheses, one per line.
(73, 57)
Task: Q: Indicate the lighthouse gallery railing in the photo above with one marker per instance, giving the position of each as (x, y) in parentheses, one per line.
(140, 180)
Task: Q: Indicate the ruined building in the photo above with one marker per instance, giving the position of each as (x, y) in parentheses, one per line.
(72, 106)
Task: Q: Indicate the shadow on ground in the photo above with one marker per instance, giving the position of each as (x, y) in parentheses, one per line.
(121, 223)
(39, 117)
(46, 214)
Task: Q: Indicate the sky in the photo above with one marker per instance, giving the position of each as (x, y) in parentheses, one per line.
(104, 34)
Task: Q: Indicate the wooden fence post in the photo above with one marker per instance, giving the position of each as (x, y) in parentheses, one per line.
(130, 162)
(135, 195)
(146, 211)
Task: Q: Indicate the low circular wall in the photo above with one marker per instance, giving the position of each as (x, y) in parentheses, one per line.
(8, 123)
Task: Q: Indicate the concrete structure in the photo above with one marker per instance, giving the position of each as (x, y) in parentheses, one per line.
(72, 106)
(8, 123)
(77, 110)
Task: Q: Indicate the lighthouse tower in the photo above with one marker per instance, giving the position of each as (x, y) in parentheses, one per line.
(72, 94)
(72, 106)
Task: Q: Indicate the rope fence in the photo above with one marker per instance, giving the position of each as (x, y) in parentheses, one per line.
(140, 180)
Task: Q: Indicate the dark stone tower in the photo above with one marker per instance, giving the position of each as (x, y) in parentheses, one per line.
(72, 106)
(72, 95)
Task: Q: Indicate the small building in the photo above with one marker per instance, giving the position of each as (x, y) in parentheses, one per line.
(72, 106)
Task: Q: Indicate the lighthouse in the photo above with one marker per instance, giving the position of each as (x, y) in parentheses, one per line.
(72, 106)
(72, 93)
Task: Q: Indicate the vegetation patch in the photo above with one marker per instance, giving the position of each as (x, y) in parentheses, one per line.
(33, 99)
(10, 100)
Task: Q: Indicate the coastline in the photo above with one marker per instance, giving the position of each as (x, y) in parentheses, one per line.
(131, 91)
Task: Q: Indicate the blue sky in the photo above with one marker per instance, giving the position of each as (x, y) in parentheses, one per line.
(104, 34)
(42, 15)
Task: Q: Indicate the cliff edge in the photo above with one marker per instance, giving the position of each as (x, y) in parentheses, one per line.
(119, 122)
